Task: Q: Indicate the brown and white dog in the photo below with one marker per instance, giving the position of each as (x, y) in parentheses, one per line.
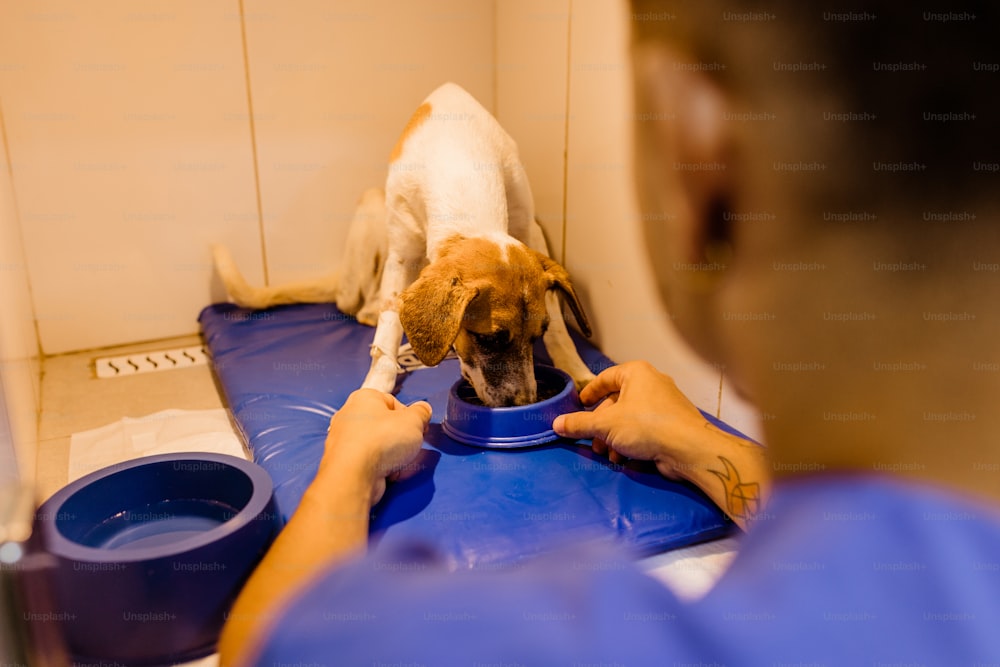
(465, 263)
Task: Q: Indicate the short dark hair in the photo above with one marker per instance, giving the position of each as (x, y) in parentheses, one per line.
(892, 102)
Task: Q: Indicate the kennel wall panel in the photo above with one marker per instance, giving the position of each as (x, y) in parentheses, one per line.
(131, 130)
(19, 358)
(332, 86)
(127, 125)
(531, 68)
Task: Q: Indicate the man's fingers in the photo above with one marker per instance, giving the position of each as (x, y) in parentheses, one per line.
(363, 396)
(615, 457)
(422, 410)
(578, 425)
(608, 381)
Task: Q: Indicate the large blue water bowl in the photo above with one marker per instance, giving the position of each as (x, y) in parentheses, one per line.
(151, 554)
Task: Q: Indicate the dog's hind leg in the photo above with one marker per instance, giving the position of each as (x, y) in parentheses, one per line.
(520, 204)
(363, 259)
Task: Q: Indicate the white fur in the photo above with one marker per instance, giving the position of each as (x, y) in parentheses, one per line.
(458, 172)
(454, 172)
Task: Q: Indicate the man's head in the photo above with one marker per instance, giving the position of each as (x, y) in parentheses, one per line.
(820, 188)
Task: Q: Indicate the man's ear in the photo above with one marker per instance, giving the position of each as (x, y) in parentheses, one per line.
(683, 153)
(557, 278)
(431, 311)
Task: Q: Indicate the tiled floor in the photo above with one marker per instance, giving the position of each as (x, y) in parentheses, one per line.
(74, 399)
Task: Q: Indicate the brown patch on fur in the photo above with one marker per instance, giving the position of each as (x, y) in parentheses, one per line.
(473, 287)
(416, 120)
(432, 310)
(488, 301)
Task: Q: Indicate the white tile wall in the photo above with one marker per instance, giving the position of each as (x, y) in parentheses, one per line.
(141, 133)
(130, 129)
(19, 357)
(332, 85)
(129, 135)
(531, 67)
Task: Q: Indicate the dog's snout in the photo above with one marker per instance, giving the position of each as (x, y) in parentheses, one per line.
(519, 398)
(501, 385)
(511, 393)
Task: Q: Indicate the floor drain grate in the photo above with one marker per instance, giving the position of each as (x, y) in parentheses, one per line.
(149, 362)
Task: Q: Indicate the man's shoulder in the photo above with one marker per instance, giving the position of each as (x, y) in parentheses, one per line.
(852, 565)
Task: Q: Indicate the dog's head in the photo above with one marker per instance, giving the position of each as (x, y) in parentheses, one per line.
(488, 302)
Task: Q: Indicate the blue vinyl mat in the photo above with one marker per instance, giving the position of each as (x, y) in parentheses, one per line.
(285, 371)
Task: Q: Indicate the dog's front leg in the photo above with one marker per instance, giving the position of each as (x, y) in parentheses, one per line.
(556, 338)
(560, 346)
(385, 349)
(396, 276)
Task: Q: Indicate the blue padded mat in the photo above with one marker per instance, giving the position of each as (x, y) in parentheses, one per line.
(286, 370)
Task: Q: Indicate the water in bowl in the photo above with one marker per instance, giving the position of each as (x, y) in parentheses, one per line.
(158, 524)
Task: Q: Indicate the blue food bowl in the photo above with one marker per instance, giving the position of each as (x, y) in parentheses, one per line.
(151, 554)
(470, 422)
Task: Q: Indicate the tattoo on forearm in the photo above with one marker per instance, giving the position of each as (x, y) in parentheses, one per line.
(742, 498)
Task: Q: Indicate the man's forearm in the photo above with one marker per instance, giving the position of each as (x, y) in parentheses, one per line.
(329, 526)
(732, 472)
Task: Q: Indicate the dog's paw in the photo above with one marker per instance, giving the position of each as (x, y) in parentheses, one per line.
(367, 316)
(581, 380)
(348, 300)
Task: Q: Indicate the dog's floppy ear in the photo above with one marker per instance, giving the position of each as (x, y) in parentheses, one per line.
(558, 279)
(431, 311)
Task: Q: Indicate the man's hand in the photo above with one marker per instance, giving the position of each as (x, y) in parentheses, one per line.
(376, 435)
(643, 416)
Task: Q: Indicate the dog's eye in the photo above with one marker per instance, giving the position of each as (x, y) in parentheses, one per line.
(492, 341)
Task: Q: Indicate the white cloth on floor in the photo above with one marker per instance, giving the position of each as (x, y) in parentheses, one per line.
(691, 572)
(165, 432)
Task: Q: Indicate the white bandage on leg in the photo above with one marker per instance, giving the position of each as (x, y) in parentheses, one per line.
(384, 351)
(388, 334)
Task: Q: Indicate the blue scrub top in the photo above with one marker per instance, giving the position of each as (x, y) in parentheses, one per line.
(840, 570)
